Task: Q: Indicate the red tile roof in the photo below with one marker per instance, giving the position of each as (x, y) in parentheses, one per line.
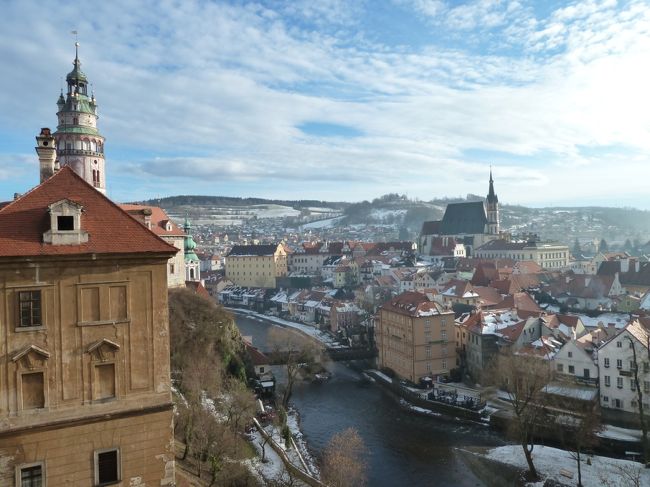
(110, 229)
(158, 218)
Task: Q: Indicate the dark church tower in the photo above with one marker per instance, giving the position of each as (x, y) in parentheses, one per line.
(492, 209)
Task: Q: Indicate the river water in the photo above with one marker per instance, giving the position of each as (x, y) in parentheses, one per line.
(403, 448)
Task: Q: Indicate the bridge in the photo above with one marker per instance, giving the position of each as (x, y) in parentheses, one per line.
(333, 354)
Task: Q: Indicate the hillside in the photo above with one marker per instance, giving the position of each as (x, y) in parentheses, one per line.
(559, 223)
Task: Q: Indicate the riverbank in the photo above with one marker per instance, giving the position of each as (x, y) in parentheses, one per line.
(506, 465)
(308, 330)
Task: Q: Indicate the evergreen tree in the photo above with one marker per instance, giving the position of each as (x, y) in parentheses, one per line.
(602, 246)
(577, 251)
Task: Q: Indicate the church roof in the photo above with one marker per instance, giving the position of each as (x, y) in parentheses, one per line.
(431, 228)
(464, 218)
(110, 229)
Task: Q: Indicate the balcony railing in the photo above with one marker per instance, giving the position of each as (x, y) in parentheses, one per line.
(79, 152)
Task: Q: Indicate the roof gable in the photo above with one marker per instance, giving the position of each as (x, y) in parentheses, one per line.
(110, 229)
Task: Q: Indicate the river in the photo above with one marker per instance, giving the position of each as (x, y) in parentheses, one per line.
(403, 448)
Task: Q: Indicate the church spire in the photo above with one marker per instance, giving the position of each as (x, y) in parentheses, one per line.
(492, 196)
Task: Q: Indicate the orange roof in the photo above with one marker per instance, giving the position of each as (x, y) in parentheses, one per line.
(110, 229)
(158, 218)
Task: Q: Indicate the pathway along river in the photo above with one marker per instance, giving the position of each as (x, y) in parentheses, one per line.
(404, 449)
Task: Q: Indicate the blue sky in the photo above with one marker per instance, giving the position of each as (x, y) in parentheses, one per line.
(343, 100)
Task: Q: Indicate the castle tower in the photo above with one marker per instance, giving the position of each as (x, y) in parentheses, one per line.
(46, 150)
(492, 209)
(192, 263)
(79, 144)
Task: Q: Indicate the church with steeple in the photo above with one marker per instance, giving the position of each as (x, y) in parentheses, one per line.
(471, 224)
(77, 142)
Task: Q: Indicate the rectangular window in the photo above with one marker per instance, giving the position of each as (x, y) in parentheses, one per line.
(107, 467)
(560, 368)
(619, 344)
(33, 392)
(31, 475)
(607, 381)
(29, 305)
(619, 363)
(646, 386)
(572, 369)
(428, 351)
(105, 377)
(605, 398)
(443, 334)
(64, 222)
(570, 354)
(619, 382)
(632, 385)
(606, 362)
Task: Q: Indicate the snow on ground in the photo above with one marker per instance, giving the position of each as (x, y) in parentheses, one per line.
(273, 468)
(603, 471)
(310, 330)
(327, 223)
(293, 421)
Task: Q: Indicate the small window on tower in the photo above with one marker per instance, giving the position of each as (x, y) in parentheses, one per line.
(65, 222)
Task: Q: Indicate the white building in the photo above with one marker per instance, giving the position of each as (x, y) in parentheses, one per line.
(575, 360)
(616, 369)
(548, 255)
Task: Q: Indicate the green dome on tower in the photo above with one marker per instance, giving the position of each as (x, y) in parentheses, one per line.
(190, 244)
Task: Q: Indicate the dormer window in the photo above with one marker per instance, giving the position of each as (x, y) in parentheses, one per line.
(65, 224)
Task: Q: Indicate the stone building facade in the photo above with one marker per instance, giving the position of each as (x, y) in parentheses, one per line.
(416, 337)
(85, 392)
(256, 265)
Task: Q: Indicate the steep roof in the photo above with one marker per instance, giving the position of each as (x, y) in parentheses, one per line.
(414, 304)
(111, 230)
(158, 219)
(431, 228)
(252, 250)
(464, 218)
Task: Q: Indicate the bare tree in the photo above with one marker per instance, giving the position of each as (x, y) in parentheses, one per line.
(577, 430)
(523, 378)
(298, 354)
(344, 464)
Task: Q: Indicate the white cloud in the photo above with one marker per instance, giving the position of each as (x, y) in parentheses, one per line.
(215, 92)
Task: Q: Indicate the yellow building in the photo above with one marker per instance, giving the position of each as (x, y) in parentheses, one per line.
(256, 265)
(85, 395)
(415, 337)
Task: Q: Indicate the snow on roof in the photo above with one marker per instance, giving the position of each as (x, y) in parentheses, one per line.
(581, 393)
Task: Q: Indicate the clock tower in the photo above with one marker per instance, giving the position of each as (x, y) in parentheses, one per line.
(78, 142)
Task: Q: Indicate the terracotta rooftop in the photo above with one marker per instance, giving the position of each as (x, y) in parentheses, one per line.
(414, 304)
(111, 230)
(158, 218)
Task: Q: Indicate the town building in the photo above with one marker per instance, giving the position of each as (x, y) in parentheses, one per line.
(85, 390)
(156, 220)
(78, 142)
(415, 337)
(616, 367)
(256, 265)
(549, 255)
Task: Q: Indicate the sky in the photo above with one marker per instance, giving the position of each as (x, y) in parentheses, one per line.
(342, 100)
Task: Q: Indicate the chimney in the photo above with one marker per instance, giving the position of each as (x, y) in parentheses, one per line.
(46, 150)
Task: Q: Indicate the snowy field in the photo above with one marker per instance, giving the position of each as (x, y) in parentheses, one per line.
(328, 223)
(603, 471)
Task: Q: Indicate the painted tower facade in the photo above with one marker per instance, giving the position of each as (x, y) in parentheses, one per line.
(192, 263)
(78, 142)
(492, 209)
